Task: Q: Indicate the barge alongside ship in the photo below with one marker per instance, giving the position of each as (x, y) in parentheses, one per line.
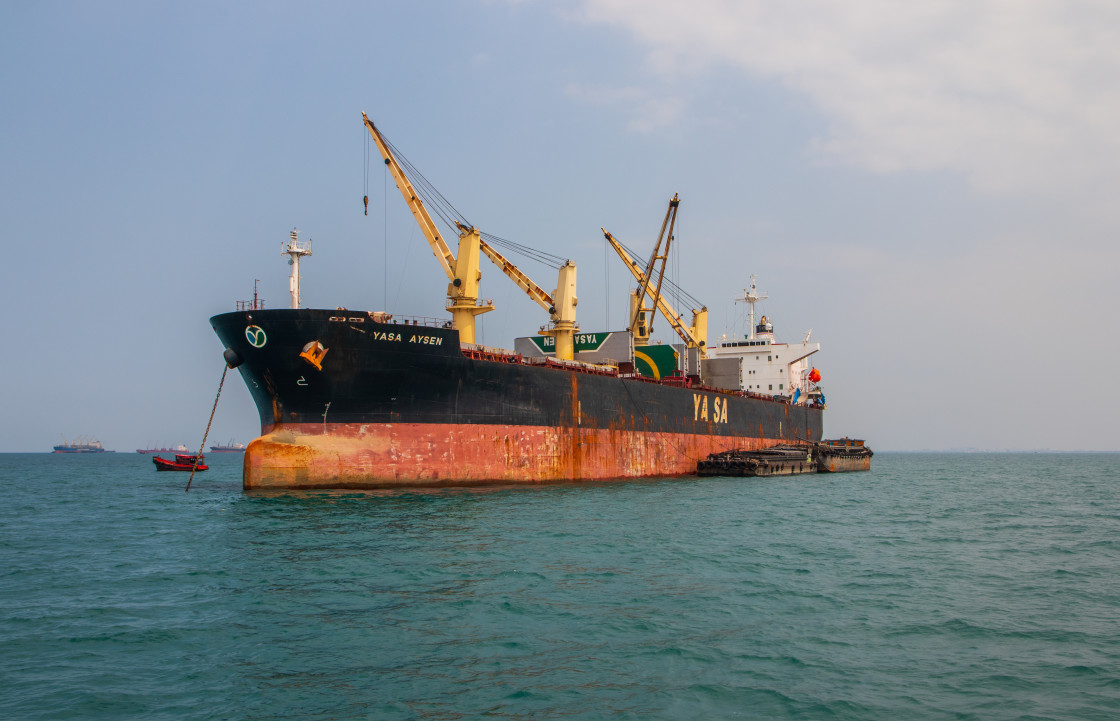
(832, 456)
(360, 399)
(843, 455)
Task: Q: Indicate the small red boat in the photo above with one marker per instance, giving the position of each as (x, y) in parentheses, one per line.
(182, 462)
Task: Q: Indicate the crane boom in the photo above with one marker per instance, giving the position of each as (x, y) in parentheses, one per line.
(462, 270)
(427, 225)
(523, 281)
(670, 221)
(561, 311)
(693, 336)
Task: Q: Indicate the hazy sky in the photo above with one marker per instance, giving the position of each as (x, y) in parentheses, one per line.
(930, 187)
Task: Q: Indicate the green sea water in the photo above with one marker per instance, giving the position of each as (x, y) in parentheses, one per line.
(936, 586)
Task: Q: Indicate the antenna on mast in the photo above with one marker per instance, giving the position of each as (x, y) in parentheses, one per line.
(255, 304)
(752, 296)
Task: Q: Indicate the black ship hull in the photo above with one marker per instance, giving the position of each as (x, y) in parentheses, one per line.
(347, 401)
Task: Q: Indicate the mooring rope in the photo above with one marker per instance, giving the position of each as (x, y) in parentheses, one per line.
(198, 458)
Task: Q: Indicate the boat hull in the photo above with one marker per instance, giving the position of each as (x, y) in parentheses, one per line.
(162, 464)
(843, 464)
(348, 402)
(778, 461)
(843, 455)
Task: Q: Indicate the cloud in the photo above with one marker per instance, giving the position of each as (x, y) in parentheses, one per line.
(649, 111)
(1020, 97)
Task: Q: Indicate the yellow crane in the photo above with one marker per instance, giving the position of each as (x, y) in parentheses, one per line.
(463, 271)
(641, 317)
(641, 321)
(561, 305)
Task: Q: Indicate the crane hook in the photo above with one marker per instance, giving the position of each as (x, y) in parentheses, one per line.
(365, 200)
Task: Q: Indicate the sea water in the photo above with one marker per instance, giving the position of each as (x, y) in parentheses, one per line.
(936, 586)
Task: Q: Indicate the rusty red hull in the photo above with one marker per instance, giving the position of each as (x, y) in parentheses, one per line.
(418, 455)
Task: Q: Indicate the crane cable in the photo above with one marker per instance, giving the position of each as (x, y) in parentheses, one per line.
(540, 256)
(365, 173)
(668, 281)
(432, 197)
(452, 217)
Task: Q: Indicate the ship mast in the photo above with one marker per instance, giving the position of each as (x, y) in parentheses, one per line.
(751, 297)
(295, 249)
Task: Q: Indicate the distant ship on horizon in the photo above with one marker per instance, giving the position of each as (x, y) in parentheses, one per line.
(81, 445)
(177, 449)
(230, 447)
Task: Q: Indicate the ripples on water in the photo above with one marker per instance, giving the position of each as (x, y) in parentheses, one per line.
(936, 586)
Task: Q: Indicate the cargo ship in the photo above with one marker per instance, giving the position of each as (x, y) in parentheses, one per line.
(366, 399)
(151, 451)
(81, 445)
(228, 447)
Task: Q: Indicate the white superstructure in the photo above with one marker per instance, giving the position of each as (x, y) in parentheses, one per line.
(757, 363)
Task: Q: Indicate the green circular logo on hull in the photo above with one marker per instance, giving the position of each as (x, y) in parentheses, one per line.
(255, 335)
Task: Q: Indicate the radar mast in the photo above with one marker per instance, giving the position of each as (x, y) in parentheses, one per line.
(752, 296)
(295, 249)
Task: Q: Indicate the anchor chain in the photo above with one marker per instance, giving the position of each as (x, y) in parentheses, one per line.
(198, 457)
